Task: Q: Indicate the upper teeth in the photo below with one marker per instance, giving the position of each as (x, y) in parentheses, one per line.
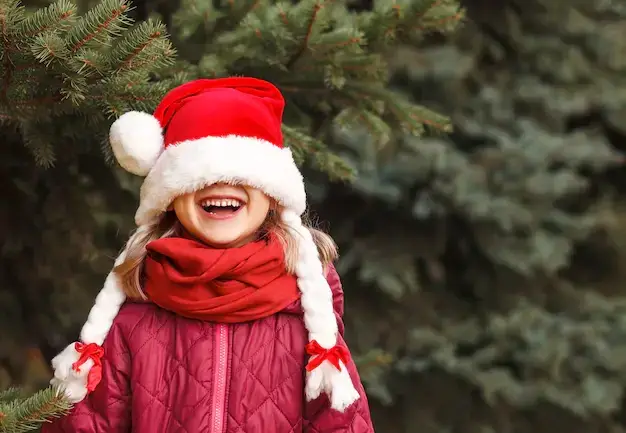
(222, 203)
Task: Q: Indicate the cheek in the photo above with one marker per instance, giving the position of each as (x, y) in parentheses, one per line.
(185, 211)
(258, 211)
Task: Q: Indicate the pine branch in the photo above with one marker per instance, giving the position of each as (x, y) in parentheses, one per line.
(89, 63)
(144, 46)
(411, 118)
(22, 415)
(59, 66)
(306, 148)
(49, 47)
(99, 25)
(316, 7)
(11, 14)
(440, 16)
(345, 40)
(58, 16)
(36, 136)
(194, 15)
(126, 91)
(408, 20)
(373, 123)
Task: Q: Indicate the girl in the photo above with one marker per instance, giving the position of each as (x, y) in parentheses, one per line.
(223, 311)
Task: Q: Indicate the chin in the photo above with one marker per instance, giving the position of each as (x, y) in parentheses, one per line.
(223, 243)
(225, 240)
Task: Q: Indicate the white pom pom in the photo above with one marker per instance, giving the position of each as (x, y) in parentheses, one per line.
(137, 141)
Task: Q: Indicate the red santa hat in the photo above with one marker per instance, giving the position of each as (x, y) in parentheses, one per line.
(205, 132)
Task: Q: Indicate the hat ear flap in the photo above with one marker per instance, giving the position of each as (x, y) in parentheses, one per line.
(137, 141)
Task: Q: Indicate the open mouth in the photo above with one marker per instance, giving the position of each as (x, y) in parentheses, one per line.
(221, 207)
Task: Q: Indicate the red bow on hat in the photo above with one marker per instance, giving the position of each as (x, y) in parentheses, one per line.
(333, 355)
(94, 352)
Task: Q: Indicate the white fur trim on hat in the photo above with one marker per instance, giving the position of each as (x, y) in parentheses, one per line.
(319, 319)
(137, 141)
(106, 306)
(191, 165)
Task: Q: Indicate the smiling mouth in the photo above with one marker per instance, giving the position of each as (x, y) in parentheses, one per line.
(221, 207)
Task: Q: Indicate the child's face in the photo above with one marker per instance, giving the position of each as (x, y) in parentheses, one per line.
(222, 215)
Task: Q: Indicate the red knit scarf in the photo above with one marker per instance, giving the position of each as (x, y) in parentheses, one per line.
(220, 285)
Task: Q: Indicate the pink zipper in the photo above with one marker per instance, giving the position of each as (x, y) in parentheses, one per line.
(220, 369)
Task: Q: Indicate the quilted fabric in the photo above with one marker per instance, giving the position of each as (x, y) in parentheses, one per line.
(165, 373)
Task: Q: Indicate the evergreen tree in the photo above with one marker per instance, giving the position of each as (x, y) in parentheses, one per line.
(63, 76)
(489, 263)
(67, 75)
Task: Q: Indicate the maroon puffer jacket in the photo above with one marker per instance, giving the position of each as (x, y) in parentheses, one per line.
(163, 373)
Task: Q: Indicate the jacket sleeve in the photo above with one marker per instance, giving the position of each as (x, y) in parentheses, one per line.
(318, 415)
(108, 408)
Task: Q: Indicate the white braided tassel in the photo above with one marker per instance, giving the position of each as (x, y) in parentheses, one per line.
(73, 382)
(319, 319)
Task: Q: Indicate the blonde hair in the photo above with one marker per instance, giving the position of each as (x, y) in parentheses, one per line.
(130, 271)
